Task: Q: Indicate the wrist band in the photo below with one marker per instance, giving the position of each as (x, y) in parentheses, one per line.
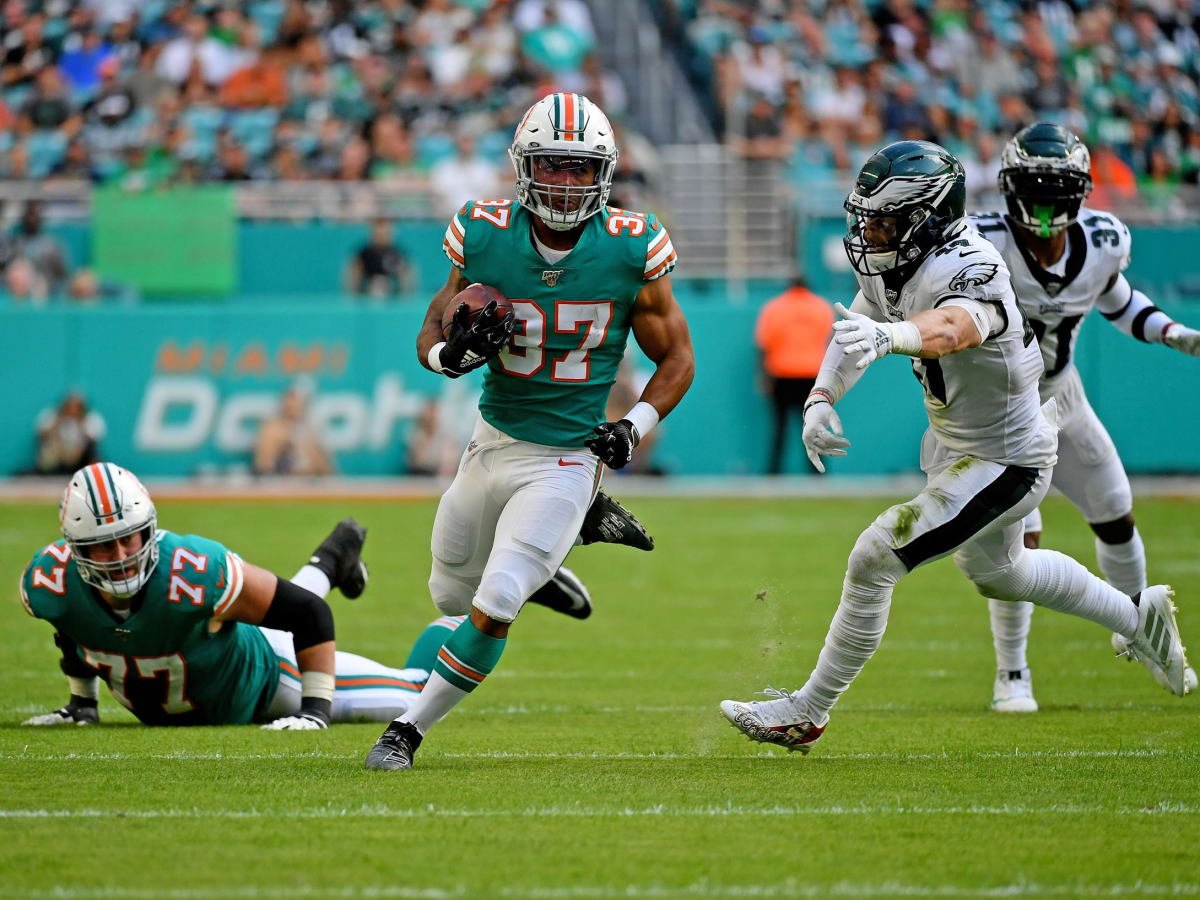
(316, 684)
(906, 338)
(644, 417)
(815, 396)
(435, 356)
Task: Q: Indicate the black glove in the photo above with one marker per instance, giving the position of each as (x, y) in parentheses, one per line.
(614, 443)
(471, 346)
(78, 711)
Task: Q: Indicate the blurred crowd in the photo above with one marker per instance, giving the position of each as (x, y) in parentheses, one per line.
(144, 92)
(819, 84)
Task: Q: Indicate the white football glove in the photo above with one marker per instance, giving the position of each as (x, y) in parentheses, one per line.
(295, 723)
(823, 433)
(861, 334)
(1181, 338)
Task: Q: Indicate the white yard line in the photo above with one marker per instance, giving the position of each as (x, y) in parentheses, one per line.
(783, 888)
(576, 811)
(1016, 753)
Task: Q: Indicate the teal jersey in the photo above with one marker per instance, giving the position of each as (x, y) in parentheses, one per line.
(551, 384)
(169, 662)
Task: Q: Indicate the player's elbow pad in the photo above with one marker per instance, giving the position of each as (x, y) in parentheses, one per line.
(303, 613)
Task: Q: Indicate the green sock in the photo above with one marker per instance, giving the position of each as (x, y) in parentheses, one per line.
(424, 652)
(468, 656)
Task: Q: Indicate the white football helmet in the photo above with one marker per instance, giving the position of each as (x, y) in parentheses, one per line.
(104, 502)
(568, 126)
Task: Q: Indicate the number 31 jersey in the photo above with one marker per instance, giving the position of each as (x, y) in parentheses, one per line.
(1098, 248)
(168, 662)
(551, 384)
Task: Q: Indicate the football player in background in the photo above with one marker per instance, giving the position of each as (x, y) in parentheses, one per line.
(1064, 259)
(581, 275)
(932, 288)
(168, 621)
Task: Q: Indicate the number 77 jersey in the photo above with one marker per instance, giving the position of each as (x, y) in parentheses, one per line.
(168, 662)
(573, 316)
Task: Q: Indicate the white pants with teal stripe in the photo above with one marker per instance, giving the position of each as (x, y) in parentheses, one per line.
(507, 522)
(363, 689)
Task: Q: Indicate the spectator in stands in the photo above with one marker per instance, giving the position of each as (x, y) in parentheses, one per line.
(462, 177)
(50, 106)
(792, 332)
(380, 268)
(22, 282)
(68, 437)
(44, 251)
(287, 443)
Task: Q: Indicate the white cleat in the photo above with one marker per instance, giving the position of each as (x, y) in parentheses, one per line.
(1156, 643)
(1013, 692)
(1120, 645)
(779, 721)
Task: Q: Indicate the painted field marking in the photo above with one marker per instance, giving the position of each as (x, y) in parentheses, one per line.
(783, 888)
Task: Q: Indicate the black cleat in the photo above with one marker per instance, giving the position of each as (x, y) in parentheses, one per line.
(564, 593)
(608, 522)
(395, 748)
(340, 557)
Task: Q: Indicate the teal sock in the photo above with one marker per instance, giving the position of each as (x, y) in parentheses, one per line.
(468, 657)
(424, 652)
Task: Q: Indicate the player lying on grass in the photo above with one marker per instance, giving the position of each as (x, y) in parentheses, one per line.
(168, 621)
(932, 288)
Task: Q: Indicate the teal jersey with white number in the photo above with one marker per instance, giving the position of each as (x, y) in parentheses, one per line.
(169, 662)
(573, 316)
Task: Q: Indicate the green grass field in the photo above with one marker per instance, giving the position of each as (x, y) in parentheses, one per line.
(593, 763)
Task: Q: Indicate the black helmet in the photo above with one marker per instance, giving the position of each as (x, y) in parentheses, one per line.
(1045, 173)
(914, 190)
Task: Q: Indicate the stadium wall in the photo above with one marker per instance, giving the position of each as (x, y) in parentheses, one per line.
(182, 387)
(284, 259)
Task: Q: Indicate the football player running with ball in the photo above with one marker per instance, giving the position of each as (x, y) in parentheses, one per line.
(932, 288)
(1064, 259)
(580, 276)
(168, 621)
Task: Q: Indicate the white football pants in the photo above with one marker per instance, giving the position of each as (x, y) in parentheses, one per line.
(363, 688)
(507, 522)
(1089, 471)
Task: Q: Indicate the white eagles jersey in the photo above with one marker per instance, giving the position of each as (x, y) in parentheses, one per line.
(984, 401)
(1098, 247)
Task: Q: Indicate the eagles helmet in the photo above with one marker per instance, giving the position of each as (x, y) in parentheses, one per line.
(102, 503)
(906, 194)
(568, 130)
(1045, 174)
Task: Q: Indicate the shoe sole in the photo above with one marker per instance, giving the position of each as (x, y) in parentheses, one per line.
(1014, 706)
(802, 749)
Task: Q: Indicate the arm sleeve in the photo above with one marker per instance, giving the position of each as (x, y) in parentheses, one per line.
(1133, 312)
(838, 370)
(454, 244)
(988, 317)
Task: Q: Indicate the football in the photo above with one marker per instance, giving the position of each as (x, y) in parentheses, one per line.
(476, 296)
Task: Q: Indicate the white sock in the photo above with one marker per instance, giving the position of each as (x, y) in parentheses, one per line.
(436, 699)
(1123, 565)
(1010, 632)
(856, 629)
(1060, 583)
(313, 579)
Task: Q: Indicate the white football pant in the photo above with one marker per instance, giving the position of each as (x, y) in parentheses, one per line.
(507, 522)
